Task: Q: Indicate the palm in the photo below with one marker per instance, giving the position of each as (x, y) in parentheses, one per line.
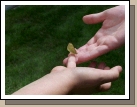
(106, 39)
(110, 36)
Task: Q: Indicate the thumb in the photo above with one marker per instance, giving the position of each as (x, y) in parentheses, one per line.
(94, 18)
(117, 68)
(112, 74)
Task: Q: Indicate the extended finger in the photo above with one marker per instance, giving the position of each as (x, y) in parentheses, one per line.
(94, 18)
(102, 76)
(71, 63)
(110, 75)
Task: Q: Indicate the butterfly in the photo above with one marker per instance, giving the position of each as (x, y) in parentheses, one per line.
(71, 48)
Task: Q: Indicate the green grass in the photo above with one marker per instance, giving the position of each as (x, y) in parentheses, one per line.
(36, 38)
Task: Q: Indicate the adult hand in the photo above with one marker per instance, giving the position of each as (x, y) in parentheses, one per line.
(109, 37)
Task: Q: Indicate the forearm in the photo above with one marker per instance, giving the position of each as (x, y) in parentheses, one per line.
(47, 85)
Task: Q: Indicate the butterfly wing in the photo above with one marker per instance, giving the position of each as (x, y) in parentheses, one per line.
(71, 48)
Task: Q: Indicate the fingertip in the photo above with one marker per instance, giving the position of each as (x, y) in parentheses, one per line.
(119, 68)
(93, 64)
(102, 65)
(112, 74)
(86, 19)
(94, 18)
(105, 87)
(65, 61)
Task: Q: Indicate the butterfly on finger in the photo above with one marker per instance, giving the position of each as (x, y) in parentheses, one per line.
(71, 48)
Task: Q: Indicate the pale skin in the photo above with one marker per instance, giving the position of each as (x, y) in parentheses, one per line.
(73, 80)
(85, 80)
(109, 37)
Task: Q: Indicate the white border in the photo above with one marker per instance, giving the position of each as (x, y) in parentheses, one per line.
(3, 96)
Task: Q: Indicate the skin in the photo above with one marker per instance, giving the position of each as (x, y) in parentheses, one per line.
(109, 37)
(85, 80)
(73, 80)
